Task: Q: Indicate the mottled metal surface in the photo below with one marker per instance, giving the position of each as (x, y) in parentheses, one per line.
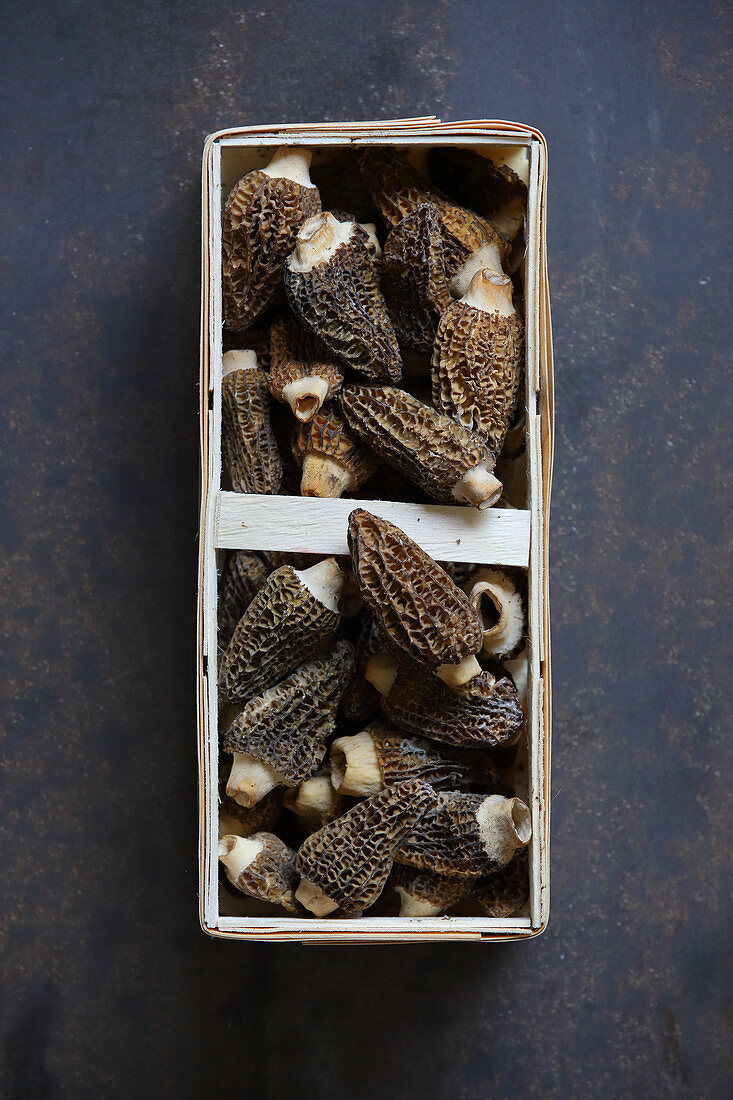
(108, 987)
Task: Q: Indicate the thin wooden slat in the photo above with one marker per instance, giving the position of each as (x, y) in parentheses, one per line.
(496, 536)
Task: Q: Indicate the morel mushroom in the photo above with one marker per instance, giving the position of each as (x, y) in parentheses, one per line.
(249, 449)
(435, 452)
(314, 802)
(333, 462)
(262, 867)
(483, 712)
(423, 894)
(495, 191)
(467, 834)
(346, 863)
(341, 186)
(360, 701)
(245, 820)
(302, 374)
(420, 612)
(503, 894)
(333, 286)
(477, 359)
(381, 755)
(420, 259)
(499, 605)
(294, 613)
(279, 739)
(262, 216)
(244, 574)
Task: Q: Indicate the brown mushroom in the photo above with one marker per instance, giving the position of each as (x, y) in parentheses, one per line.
(240, 820)
(314, 801)
(420, 612)
(262, 867)
(493, 191)
(302, 374)
(477, 359)
(341, 186)
(333, 286)
(333, 462)
(244, 574)
(507, 891)
(249, 449)
(435, 452)
(467, 834)
(346, 863)
(262, 216)
(361, 699)
(294, 613)
(424, 894)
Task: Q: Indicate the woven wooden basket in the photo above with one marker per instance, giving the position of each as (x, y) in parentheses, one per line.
(298, 524)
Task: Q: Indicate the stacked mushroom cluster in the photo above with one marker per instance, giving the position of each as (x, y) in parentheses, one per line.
(377, 699)
(377, 308)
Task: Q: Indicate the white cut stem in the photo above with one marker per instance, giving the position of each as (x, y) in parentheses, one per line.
(237, 853)
(313, 899)
(417, 907)
(325, 581)
(313, 800)
(488, 256)
(456, 675)
(509, 218)
(518, 667)
(505, 824)
(318, 240)
(503, 635)
(290, 163)
(323, 476)
(355, 766)
(478, 487)
(251, 779)
(381, 671)
(490, 293)
(306, 395)
(370, 229)
(238, 360)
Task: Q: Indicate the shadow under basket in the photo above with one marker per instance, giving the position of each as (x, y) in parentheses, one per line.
(499, 536)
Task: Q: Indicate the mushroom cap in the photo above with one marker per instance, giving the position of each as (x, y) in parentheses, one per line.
(249, 449)
(349, 860)
(420, 612)
(244, 574)
(424, 893)
(507, 891)
(287, 726)
(265, 815)
(328, 435)
(474, 180)
(360, 701)
(262, 867)
(484, 712)
(296, 354)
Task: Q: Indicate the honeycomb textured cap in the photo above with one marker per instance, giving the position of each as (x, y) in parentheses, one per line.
(249, 448)
(349, 860)
(427, 446)
(423, 893)
(244, 574)
(340, 300)
(361, 699)
(338, 461)
(484, 712)
(402, 756)
(265, 815)
(283, 625)
(262, 217)
(503, 894)
(474, 180)
(302, 373)
(420, 612)
(261, 866)
(288, 725)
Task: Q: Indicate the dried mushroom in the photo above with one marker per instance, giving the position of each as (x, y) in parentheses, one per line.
(361, 699)
(420, 612)
(435, 452)
(420, 259)
(245, 820)
(346, 863)
(382, 755)
(244, 574)
(280, 737)
(341, 186)
(249, 449)
(483, 712)
(302, 374)
(333, 462)
(423, 894)
(494, 191)
(477, 359)
(314, 802)
(262, 216)
(262, 867)
(333, 287)
(467, 834)
(500, 607)
(507, 891)
(294, 613)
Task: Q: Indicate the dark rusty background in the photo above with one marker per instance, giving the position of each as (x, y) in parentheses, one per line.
(109, 988)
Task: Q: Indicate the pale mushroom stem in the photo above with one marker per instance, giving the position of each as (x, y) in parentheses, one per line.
(325, 581)
(237, 360)
(456, 675)
(237, 853)
(486, 257)
(381, 671)
(355, 766)
(505, 824)
(509, 218)
(313, 899)
(313, 800)
(500, 609)
(306, 395)
(290, 163)
(318, 239)
(323, 476)
(417, 907)
(478, 487)
(250, 779)
(490, 292)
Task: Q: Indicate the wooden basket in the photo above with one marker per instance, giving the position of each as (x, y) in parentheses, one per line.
(496, 536)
